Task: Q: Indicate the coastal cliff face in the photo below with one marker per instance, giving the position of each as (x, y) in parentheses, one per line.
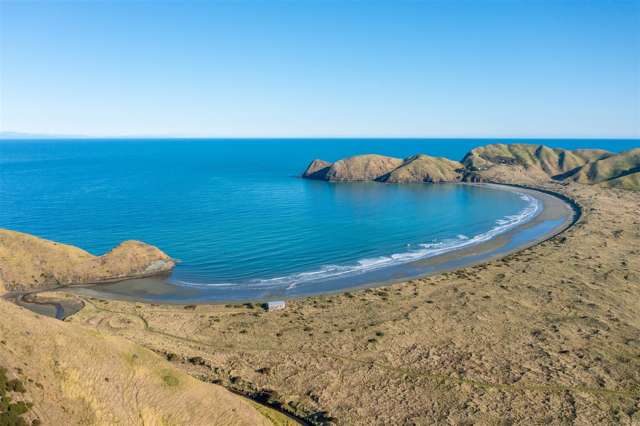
(499, 163)
(28, 262)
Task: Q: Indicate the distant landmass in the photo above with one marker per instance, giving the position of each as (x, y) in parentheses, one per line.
(497, 163)
(22, 135)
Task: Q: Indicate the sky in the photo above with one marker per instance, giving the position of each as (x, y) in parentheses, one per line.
(307, 68)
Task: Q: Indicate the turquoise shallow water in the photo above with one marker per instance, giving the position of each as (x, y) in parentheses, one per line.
(235, 214)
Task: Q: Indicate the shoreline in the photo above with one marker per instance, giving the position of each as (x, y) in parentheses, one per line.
(558, 214)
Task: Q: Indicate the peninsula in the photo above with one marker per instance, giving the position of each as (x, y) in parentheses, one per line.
(499, 163)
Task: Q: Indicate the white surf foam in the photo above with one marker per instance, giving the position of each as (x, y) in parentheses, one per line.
(370, 264)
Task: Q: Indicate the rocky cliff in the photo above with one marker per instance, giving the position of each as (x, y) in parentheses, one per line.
(28, 262)
(501, 163)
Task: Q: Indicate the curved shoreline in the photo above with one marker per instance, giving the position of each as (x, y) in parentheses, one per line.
(559, 213)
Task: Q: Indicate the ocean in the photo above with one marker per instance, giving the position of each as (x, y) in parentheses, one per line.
(235, 212)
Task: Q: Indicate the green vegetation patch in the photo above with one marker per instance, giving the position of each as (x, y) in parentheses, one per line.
(11, 412)
(169, 379)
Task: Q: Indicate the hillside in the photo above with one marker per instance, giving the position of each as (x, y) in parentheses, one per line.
(527, 164)
(28, 262)
(524, 162)
(620, 171)
(371, 167)
(75, 375)
(423, 168)
(362, 168)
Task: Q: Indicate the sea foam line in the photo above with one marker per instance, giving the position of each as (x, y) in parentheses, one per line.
(371, 264)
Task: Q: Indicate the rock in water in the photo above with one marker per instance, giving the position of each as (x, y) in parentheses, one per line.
(30, 263)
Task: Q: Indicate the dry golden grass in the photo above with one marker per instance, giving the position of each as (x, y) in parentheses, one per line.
(30, 263)
(77, 375)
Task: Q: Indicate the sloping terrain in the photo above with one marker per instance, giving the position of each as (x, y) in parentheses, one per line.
(74, 375)
(317, 169)
(537, 161)
(526, 164)
(621, 170)
(371, 167)
(28, 262)
(362, 168)
(423, 168)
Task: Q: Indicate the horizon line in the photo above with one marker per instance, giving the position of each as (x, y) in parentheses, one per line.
(9, 135)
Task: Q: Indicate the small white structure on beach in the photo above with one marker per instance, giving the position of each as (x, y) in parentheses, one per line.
(276, 305)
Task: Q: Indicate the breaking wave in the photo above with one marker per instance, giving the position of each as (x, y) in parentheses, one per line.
(423, 251)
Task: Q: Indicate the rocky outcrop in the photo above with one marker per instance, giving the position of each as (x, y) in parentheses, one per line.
(527, 164)
(362, 168)
(423, 168)
(29, 263)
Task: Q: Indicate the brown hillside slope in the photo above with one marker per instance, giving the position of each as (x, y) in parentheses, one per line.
(370, 167)
(621, 170)
(629, 182)
(525, 163)
(28, 262)
(362, 168)
(500, 163)
(423, 168)
(317, 169)
(75, 375)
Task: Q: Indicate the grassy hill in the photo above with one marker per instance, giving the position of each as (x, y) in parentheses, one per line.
(620, 171)
(71, 374)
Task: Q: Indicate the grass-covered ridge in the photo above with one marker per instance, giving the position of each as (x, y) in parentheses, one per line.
(531, 164)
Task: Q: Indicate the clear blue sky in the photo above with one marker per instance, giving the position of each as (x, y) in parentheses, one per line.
(321, 68)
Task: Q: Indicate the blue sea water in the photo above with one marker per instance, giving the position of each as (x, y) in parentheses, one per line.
(235, 213)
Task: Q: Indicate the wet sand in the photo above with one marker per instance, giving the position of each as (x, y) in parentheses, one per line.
(54, 305)
(556, 216)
